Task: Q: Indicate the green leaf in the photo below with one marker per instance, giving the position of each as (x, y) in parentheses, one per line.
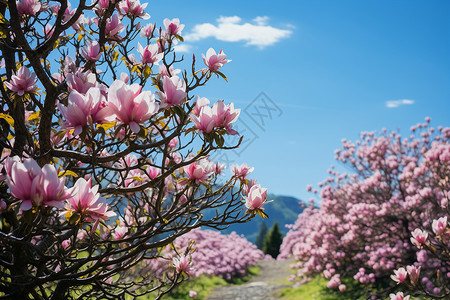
(221, 75)
(179, 37)
(219, 140)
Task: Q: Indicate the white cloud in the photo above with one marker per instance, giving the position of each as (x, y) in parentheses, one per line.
(261, 20)
(183, 48)
(233, 29)
(397, 103)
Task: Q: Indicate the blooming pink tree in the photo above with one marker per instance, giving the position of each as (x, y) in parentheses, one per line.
(105, 150)
(384, 225)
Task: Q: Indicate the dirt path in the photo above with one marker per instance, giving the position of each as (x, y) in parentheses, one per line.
(264, 286)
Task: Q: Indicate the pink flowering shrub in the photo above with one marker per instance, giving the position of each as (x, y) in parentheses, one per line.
(106, 154)
(386, 223)
(215, 254)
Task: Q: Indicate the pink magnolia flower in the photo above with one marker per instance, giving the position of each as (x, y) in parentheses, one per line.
(133, 8)
(114, 27)
(130, 104)
(413, 273)
(23, 82)
(174, 91)
(198, 171)
(66, 244)
(215, 61)
(192, 294)
(173, 143)
(182, 264)
(342, 287)
(205, 121)
(101, 6)
(147, 30)
(419, 237)
(87, 202)
(91, 52)
(119, 232)
(334, 282)
(439, 225)
(28, 7)
(218, 167)
(34, 185)
(124, 77)
(241, 171)
(48, 30)
(201, 102)
(400, 275)
(256, 197)
(225, 115)
(164, 72)
(149, 54)
(83, 108)
(81, 81)
(398, 296)
(173, 26)
(248, 186)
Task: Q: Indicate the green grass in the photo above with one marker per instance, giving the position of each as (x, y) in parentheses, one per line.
(317, 289)
(203, 285)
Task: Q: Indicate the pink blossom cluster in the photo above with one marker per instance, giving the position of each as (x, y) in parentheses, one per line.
(220, 255)
(207, 118)
(386, 220)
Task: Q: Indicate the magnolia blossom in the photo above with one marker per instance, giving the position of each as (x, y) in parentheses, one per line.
(114, 27)
(147, 30)
(198, 171)
(130, 104)
(439, 225)
(169, 73)
(173, 26)
(413, 272)
(419, 237)
(92, 52)
(34, 185)
(398, 296)
(248, 186)
(28, 7)
(182, 264)
(204, 121)
(133, 8)
(400, 275)
(23, 82)
(334, 282)
(215, 61)
(256, 197)
(241, 171)
(192, 294)
(83, 108)
(225, 115)
(174, 91)
(86, 202)
(150, 54)
(81, 81)
(199, 103)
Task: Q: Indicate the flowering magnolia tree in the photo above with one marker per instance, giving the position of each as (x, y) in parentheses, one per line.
(206, 252)
(105, 150)
(386, 222)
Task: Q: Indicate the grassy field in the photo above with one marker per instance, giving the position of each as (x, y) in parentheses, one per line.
(203, 285)
(317, 289)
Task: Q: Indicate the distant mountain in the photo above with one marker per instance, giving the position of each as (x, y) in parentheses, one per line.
(283, 209)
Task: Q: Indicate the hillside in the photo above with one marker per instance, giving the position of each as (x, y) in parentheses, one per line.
(283, 209)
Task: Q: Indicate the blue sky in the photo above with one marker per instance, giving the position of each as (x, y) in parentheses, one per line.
(330, 68)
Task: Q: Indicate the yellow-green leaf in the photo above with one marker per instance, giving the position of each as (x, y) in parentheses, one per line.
(107, 125)
(34, 116)
(8, 119)
(66, 173)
